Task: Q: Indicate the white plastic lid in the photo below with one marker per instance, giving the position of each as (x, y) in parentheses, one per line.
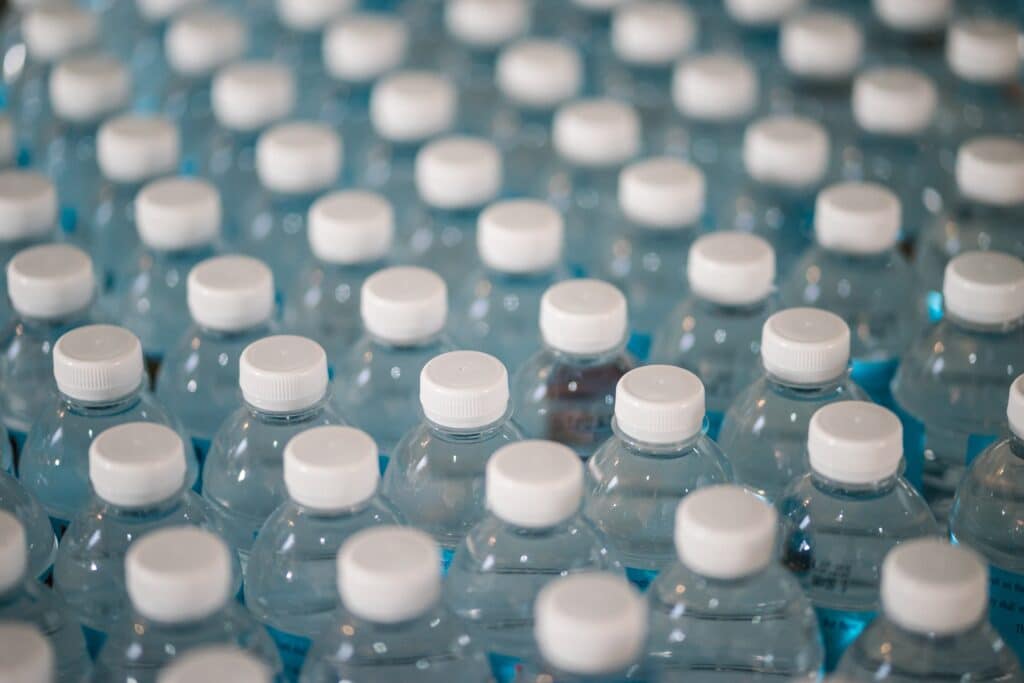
(52, 32)
(458, 172)
(13, 551)
(464, 389)
(411, 106)
(821, 45)
(155, 11)
(26, 656)
(789, 151)
(715, 87)
(137, 464)
(204, 40)
(178, 574)
(520, 236)
(50, 281)
(984, 287)
(310, 15)
(653, 32)
(134, 148)
(87, 88)
(216, 664)
(404, 304)
(389, 574)
(761, 12)
(725, 532)
(175, 214)
(300, 157)
(894, 101)
(28, 205)
(538, 73)
(230, 293)
(855, 442)
(920, 16)
(857, 218)
(659, 404)
(1015, 407)
(591, 623)
(331, 468)
(583, 316)
(983, 50)
(805, 345)
(486, 24)
(534, 484)
(283, 373)
(351, 226)
(250, 96)
(932, 587)
(98, 363)
(662, 193)
(362, 47)
(990, 170)
(596, 132)
(731, 268)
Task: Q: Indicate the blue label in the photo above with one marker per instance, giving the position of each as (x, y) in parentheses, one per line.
(293, 651)
(93, 640)
(504, 667)
(446, 560)
(976, 445)
(839, 628)
(641, 578)
(874, 378)
(1006, 607)
(639, 345)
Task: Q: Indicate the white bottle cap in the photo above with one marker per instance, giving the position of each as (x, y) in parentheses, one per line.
(653, 32)
(13, 551)
(216, 664)
(411, 106)
(596, 132)
(178, 574)
(458, 172)
(894, 101)
(725, 532)
(137, 464)
(329, 469)
(98, 363)
(7, 141)
(920, 16)
(821, 45)
(230, 293)
(984, 287)
(308, 16)
(583, 316)
(590, 624)
(87, 88)
(539, 74)
(534, 484)
(250, 96)
(983, 50)
(362, 47)
(805, 345)
(731, 268)
(174, 214)
(351, 226)
(486, 24)
(50, 281)
(26, 656)
(52, 32)
(389, 574)
(404, 305)
(299, 157)
(204, 40)
(932, 587)
(761, 12)
(855, 442)
(789, 151)
(520, 236)
(1015, 407)
(659, 404)
(662, 193)
(155, 11)
(28, 206)
(990, 170)
(715, 87)
(283, 373)
(464, 390)
(133, 148)
(857, 218)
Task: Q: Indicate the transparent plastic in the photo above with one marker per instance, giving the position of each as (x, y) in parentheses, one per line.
(42, 544)
(781, 216)
(273, 229)
(587, 200)
(441, 240)
(67, 156)
(107, 232)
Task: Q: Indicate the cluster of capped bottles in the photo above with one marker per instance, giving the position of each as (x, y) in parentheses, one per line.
(532, 341)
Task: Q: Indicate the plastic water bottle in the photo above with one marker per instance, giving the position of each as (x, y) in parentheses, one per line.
(297, 41)
(331, 475)
(140, 42)
(284, 392)
(216, 664)
(435, 476)
(403, 312)
(533, 532)
(805, 353)
(911, 33)
(842, 518)
(519, 244)
(715, 332)
(934, 623)
(28, 216)
(391, 625)
(727, 605)
(42, 544)
(180, 585)
(950, 385)
(100, 384)
(26, 656)
(565, 391)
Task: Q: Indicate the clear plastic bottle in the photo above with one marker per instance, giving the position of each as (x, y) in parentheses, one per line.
(216, 664)
(934, 624)
(392, 627)
(297, 41)
(565, 391)
(180, 585)
(840, 520)
(26, 656)
(28, 216)
(910, 33)
(752, 27)
(42, 543)
(727, 605)
(332, 477)
(805, 353)
(136, 32)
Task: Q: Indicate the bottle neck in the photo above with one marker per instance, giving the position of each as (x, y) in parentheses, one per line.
(587, 360)
(291, 416)
(106, 407)
(468, 434)
(647, 448)
(835, 487)
(426, 342)
(984, 328)
(145, 512)
(812, 389)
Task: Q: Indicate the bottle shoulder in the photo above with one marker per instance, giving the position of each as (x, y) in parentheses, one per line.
(248, 433)
(772, 591)
(426, 446)
(295, 533)
(618, 463)
(766, 405)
